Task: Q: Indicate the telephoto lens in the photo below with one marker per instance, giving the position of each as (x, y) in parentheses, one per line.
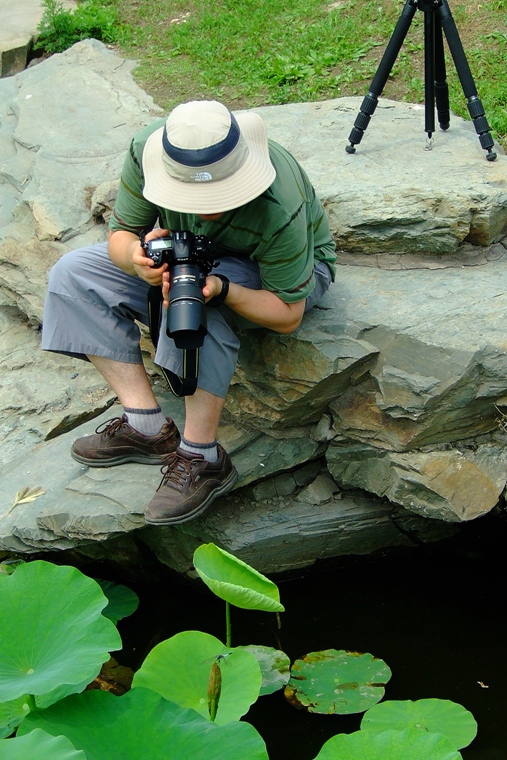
(190, 261)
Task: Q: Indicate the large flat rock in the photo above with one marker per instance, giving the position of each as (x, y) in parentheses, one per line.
(394, 195)
(392, 417)
(284, 513)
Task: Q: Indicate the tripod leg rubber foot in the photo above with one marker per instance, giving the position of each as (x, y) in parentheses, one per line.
(350, 149)
(491, 156)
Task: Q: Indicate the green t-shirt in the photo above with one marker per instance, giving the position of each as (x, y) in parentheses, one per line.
(285, 229)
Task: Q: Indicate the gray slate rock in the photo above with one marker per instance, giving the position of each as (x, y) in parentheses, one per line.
(287, 522)
(42, 395)
(65, 127)
(393, 195)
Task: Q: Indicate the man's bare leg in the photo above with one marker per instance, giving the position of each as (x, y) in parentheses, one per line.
(129, 381)
(132, 386)
(203, 412)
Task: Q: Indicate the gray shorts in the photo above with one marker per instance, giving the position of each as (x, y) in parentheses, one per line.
(92, 306)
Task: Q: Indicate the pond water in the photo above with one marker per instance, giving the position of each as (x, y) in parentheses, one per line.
(435, 614)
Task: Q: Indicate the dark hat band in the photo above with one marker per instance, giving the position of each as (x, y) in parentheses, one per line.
(203, 156)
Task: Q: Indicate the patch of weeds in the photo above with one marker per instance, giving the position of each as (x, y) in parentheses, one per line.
(59, 28)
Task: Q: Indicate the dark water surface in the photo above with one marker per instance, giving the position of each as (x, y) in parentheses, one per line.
(435, 614)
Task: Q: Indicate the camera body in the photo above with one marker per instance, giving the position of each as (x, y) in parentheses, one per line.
(180, 248)
(190, 258)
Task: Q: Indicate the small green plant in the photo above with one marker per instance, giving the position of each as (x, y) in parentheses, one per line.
(60, 28)
(235, 582)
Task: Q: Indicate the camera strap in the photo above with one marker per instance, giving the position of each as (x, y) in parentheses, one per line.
(180, 386)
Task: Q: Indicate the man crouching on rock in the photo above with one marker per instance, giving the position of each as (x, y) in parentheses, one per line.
(214, 173)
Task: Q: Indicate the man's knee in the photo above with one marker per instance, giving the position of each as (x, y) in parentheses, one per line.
(75, 264)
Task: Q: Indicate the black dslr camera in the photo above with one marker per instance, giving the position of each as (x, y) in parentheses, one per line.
(190, 258)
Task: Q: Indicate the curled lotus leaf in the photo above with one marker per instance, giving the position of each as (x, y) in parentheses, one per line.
(337, 682)
(122, 601)
(235, 581)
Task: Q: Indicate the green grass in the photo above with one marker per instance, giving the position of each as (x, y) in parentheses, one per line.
(257, 52)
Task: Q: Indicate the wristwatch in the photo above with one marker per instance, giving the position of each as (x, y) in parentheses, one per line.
(220, 298)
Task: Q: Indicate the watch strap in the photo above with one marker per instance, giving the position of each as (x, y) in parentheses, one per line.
(218, 300)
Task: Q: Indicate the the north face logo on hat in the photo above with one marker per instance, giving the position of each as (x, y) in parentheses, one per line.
(202, 177)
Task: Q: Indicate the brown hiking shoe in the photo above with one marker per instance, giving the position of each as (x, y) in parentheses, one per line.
(188, 486)
(116, 442)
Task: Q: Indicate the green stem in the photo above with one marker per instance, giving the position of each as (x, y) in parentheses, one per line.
(228, 624)
(30, 701)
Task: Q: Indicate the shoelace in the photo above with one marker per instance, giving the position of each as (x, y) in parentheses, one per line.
(111, 427)
(176, 470)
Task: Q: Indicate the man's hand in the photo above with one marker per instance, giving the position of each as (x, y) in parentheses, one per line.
(212, 287)
(126, 252)
(144, 266)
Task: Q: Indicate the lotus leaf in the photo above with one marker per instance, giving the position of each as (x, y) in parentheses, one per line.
(52, 631)
(235, 581)
(336, 681)
(433, 715)
(11, 715)
(141, 724)
(179, 669)
(40, 745)
(274, 665)
(122, 601)
(410, 744)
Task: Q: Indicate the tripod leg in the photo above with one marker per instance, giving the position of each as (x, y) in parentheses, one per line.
(474, 104)
(441, 88)
(429, 73)
(370, 101)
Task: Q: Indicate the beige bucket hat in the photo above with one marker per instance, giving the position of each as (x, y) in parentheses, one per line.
(206, 160)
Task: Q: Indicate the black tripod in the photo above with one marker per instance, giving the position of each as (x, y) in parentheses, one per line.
(437, 17)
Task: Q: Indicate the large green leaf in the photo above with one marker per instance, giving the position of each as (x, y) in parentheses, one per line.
(410, 744)
(38, 744)
(52, 632)
(274, 665)
(336, 681)
(179, 669)
(235, 581)
(141, 725)
(432, 715)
